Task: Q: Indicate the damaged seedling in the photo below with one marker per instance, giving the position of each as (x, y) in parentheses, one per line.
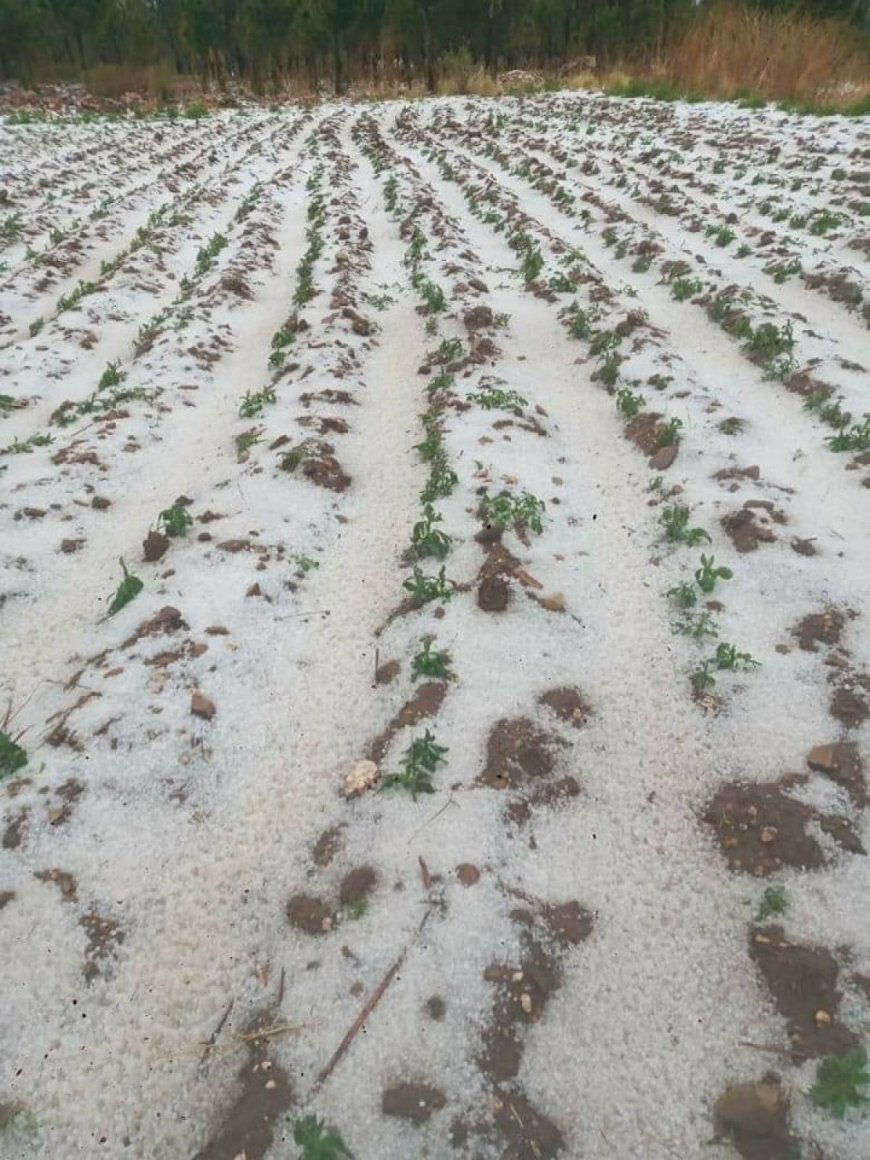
(684, 595)
(174, 521)
(670, 433)
(854, 438)
(520, 512)
(699, 627)
(317, 1142)
(429, 662)
(12, 756)
(627, 403)
(424, 589)
(495, 399)
(427, 539)
(127, 590)
(677, 530)
(708, 573)
(253, 402)
(422, 758)
(728, 659)
(841, 1082)
(774, 902)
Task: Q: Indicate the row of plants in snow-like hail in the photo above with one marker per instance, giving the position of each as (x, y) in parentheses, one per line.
(590, 307)
(152, 241)
(737, 310)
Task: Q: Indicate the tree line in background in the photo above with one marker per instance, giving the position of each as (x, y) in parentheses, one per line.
(328, 41)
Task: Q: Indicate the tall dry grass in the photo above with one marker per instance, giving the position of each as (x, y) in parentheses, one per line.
(780, 56)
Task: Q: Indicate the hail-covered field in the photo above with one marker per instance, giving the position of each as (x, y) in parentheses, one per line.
(433, 568)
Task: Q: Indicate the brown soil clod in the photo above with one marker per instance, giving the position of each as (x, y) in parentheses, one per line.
(493, 594)
(748, 528)
(820, 628)
(755, 1117)
(6, 896)
(386, 673)
(841, 762)
(309, 914)
(103, 935)
(522, 993)
(357, 885)
(849, 707)
(519, 810)
(436, 1008)
(525, 1131)
(568, 704)
(467, 873)
(63, 880)
(265, 1094)
(415, 1102)
(760, 828)
(154, 547)
(516, 750)
(803, 983)
(167, 620)
(327, 846)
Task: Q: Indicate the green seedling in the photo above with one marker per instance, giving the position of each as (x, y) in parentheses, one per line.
(822, 221)
(519, 512)
(698, 627)
(670, 433)
(603, 341)
(656, 483)
(10, 228)
(282, 338)
(854, 438)
(608, 371)
(501, 321)
(493, 399)
(641, 264)
(677, 530)
(304, 565)
(421, 759)
(317, 1142)
(442, 481)
(702, 679)
(841, 1081)
(430, 663)
(532, 264)
(174, 521)
(127, 590)
(246, 441)
(36, 326)
(207, 255)
(722, 235)
(12, 756)
(111, 377)
(561, 284)
(577, 321)
(253, 402)
(683, 288)
(707, 575)
(684, 595)
(660, 382)
(774, 902)
(728, 659)
(433, 297)
(17, 447)
(743, 251)
(450, 351)
(627, 403)
(424, 589)
(782, 271)
(427, 539)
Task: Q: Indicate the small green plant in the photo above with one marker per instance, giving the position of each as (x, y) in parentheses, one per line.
(708, 573)
(730, 426)
(627, 403)
(421, 759)
(655, 484)
(429, 662)
(823, 220)
(854, 438)
(677, 530)
(608, 371)
(127, 590)
(493, 398)
(641, 264)
(519, 512)
(532, 264)
(442, 480)
(12, 756)
(248, 439)
(36, 326)
(841, 1081)
(577, 321)
(684, 595)
(670, 433)
(660, 382)
(427, 539)
(698, 627)
(774, 902)
(304, 565)
(10, 228)
(728, 659)
(253, 402)
(208, 253)
(112, 376)
(782, 271)
(174, 521)
(722, 235)
(424, 589)
(702, 679)
(282, 338)
(16, 447)
(449, 351)
(683, 288)
(433, 297)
